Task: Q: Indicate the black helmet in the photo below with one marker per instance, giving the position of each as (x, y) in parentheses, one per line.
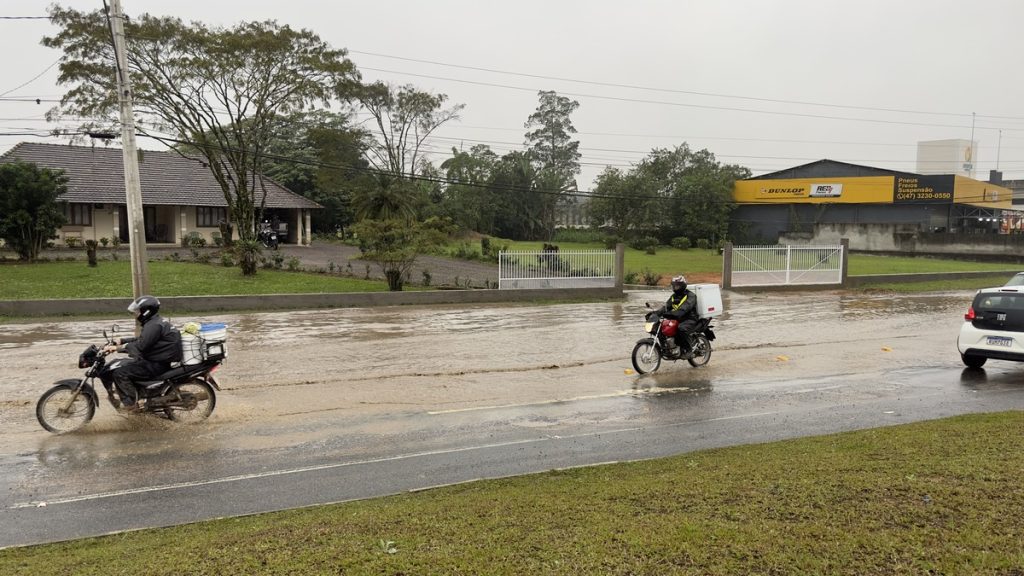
(679, 284)
(144, 308)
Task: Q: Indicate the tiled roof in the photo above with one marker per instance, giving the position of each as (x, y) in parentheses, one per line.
(96, 174)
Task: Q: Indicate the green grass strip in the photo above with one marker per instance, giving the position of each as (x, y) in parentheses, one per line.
(937, 497)
(50, 280)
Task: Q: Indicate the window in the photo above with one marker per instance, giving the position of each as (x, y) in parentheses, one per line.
(80, 214)
(210, 216)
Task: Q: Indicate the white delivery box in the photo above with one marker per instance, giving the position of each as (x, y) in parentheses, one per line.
(191, 348)
(709, 300)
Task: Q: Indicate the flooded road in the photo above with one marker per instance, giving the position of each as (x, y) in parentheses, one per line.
(329, 405)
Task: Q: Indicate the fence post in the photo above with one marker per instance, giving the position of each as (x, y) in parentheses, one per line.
(844, 252)
(727, 266)
(620, 265)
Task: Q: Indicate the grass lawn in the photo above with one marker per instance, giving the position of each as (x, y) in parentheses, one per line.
(938, 497)
(45, 280)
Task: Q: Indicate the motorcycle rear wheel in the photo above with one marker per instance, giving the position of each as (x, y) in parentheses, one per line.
(190, 402)
(646, 357)
(701, 351)
(60, 411)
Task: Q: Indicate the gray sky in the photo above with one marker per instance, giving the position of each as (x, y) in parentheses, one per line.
(765, 84)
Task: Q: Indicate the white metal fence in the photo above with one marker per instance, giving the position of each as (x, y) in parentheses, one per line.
(556, 269)
(786, 265)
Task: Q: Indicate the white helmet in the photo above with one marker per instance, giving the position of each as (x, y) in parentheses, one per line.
(678, 284)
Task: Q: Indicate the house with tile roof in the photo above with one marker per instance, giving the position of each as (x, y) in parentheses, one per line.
(179, 195)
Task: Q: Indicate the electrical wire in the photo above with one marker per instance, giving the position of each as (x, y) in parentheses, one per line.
(676, 91)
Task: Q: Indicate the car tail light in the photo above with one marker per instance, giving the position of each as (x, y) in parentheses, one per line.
(970, 314)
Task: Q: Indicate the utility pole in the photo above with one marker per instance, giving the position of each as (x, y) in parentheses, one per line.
(132, 182)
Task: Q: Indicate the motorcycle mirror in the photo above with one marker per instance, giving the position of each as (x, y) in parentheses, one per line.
(647, 304)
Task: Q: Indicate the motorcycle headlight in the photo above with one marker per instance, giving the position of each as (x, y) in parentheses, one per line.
(648, 326)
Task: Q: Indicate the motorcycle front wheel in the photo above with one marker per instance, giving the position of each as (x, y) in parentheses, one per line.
(701, 351)
(646, 357)
(62, 409)
(190, 402)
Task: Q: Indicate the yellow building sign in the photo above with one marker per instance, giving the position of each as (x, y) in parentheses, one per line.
(899, 189)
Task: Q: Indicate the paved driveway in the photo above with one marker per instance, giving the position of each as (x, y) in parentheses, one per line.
(443, 271)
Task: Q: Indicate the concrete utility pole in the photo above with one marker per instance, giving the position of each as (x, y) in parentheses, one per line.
(132, 183)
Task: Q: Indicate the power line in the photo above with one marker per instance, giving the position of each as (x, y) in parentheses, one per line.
(698, 106)
(677, 91)
(34, 78)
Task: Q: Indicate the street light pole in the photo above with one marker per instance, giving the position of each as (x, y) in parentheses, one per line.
(132, 182)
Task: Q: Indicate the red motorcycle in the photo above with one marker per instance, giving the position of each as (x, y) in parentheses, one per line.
(666, 342)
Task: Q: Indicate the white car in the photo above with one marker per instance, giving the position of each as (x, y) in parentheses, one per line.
(1017, 280)
(993, 327)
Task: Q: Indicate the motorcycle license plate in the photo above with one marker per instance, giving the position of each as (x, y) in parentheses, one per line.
(648, 326)
(999, 341)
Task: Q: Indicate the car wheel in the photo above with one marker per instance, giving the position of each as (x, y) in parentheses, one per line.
(972, 361)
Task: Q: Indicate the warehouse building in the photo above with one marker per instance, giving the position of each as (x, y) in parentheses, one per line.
(866, 202)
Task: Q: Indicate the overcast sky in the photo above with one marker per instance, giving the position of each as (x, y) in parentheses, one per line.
(765, 84)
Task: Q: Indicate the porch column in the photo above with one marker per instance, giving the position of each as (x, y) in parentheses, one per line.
(183, 224)
(309, 234)
(298, 226)
(116, 215)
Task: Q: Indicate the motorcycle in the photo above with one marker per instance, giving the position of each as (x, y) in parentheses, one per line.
(267, 236)
(183, 394)
(663, 343)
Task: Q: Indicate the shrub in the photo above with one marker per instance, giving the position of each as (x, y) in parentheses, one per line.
(330, 267)
(681, 242)
(193, 240)
(611, 241)
(643, 243)
(202, 257)
(631, 277)
(226, 260)
(104, 241)
(218, 240)
(703, 243)
(649, 278)
(485, 247)
(90, 250)
(72, 241)
(294, 264)
(115, 241)
(652, 250)
(426, 277)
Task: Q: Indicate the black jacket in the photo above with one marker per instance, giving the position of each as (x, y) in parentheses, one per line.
(681, 307)
(158, 342)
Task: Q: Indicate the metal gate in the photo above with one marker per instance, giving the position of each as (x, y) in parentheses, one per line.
(556, 269)
(786, 265)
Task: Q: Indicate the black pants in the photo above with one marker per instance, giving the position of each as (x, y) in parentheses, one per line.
(132, 371)
(685, 330)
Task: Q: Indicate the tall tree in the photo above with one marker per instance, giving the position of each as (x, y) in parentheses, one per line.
(670, 193)
(219, 89)
(319, 154)
(555, 154)
(29, 210)
(404, 118)
(467, 198)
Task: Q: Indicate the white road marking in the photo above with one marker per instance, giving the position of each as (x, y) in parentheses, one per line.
(275, 473)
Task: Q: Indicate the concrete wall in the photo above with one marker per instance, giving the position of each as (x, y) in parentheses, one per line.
(908, 239)
(174, 306)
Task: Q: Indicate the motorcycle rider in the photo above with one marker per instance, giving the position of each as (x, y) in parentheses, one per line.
(158, 344)
(681, 306)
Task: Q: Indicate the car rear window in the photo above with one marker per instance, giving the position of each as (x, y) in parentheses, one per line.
(999, 311)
